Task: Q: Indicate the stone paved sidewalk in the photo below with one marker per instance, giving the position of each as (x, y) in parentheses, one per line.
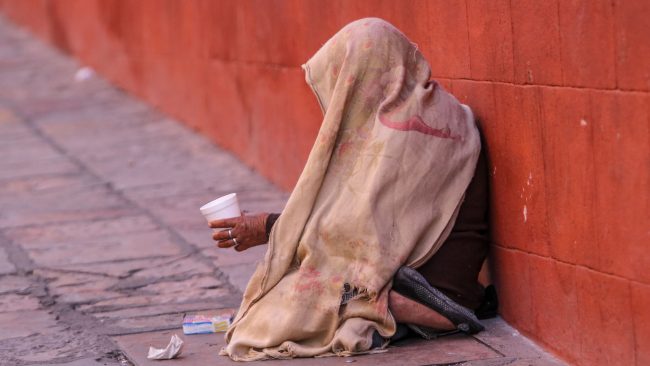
(102, 247)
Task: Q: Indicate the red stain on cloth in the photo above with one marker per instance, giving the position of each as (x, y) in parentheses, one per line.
(309, 280)
(416, 123)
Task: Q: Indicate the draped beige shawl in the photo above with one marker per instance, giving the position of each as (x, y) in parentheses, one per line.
(381, 189)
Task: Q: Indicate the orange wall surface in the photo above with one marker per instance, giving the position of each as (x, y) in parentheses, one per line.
(561, 88)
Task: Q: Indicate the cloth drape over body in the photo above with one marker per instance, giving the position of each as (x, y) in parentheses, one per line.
(381, 189)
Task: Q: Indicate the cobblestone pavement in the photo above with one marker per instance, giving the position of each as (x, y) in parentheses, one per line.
(102, 247)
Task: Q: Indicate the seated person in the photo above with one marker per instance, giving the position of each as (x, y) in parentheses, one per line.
(387, 223)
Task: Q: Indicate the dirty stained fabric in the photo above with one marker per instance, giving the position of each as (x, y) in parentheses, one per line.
(391, 144)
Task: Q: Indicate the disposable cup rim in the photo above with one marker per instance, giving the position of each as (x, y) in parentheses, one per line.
(219, 203)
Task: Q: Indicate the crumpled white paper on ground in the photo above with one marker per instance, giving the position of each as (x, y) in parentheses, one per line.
(172, 350)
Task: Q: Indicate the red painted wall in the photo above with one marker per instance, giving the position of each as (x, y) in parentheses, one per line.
(561, 87)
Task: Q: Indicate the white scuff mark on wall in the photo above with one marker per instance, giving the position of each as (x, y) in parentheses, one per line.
(524, 190)
(525, 213)
(583, 122)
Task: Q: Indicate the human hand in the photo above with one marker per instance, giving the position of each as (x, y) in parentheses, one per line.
(242, 232)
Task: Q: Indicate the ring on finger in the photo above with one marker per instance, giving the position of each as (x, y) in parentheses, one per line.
(230, 234)
(235, 241)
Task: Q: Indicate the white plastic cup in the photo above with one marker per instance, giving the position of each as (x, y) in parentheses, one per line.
(222, 208)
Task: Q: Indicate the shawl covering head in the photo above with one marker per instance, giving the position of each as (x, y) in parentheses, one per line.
(381, 189)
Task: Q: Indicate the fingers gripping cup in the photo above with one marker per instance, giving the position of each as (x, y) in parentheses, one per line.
(222, 208)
